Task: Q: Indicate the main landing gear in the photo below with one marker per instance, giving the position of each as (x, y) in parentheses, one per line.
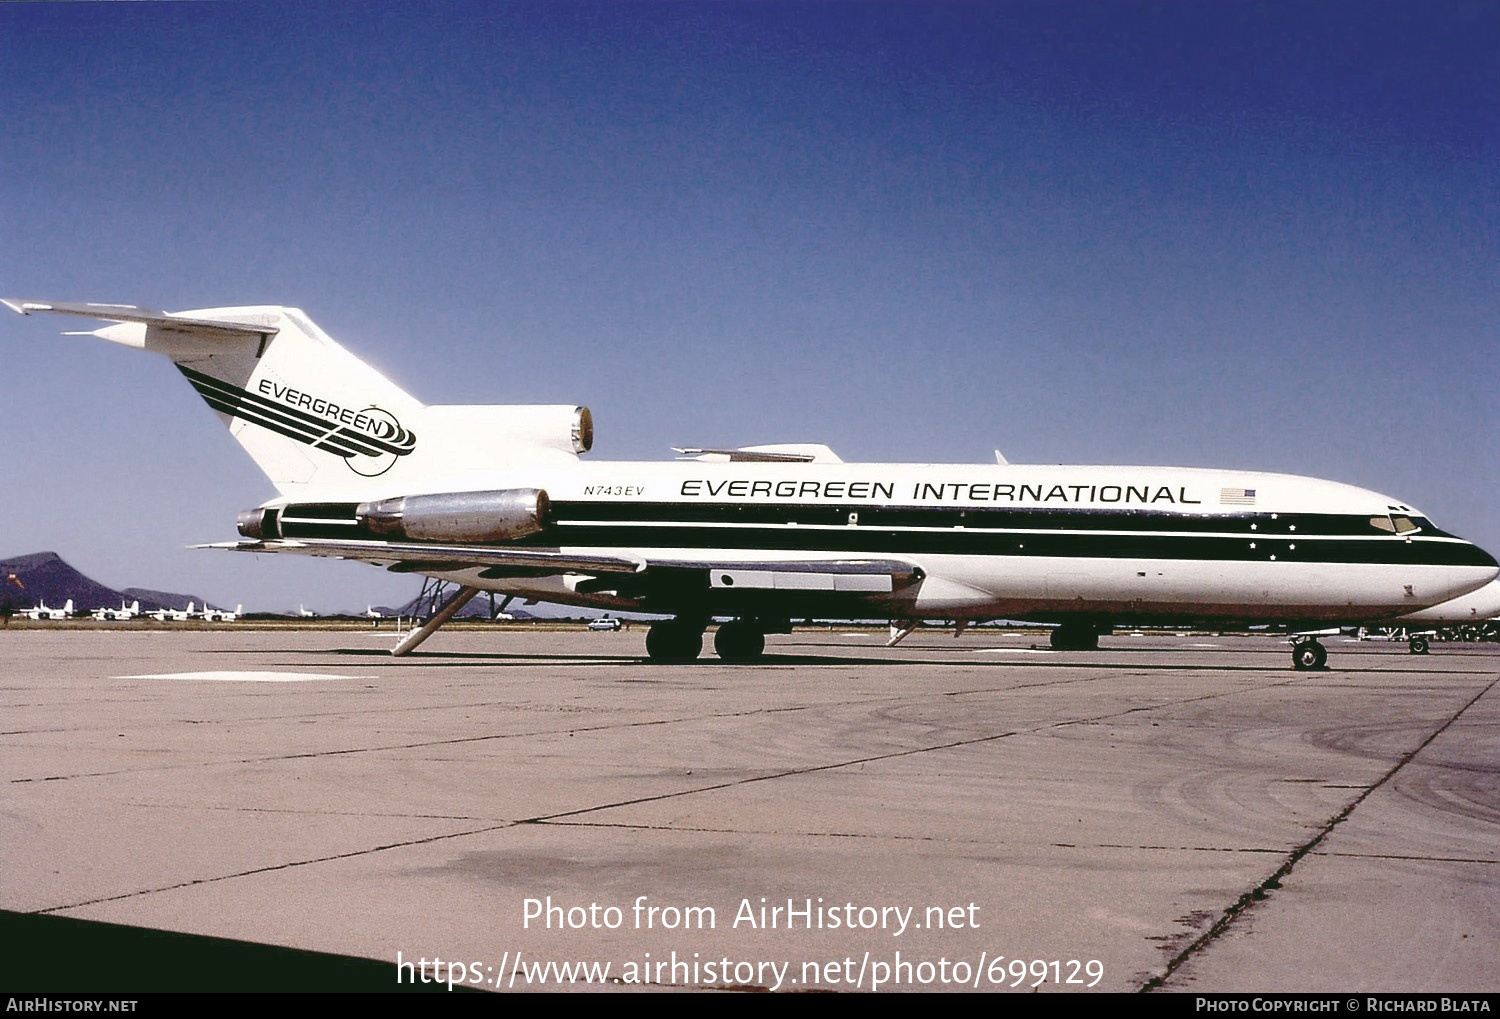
(740, 641)
(681, 640)
(1308, 655)
(1075, 636)
(674, 640)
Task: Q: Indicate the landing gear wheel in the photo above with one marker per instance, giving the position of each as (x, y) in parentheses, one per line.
(1309, 654)
(1418, 645)
(674, 641)
(739, 642)
(1074, 638)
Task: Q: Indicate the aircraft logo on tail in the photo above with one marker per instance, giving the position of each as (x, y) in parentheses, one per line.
(369, 439)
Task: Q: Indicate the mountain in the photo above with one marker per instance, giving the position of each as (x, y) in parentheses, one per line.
(161, 599)
(46, 576)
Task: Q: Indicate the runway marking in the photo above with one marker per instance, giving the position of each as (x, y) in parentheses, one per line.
(244, 677)
(1011, 651)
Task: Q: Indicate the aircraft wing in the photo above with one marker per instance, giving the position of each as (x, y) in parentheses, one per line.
(424, 558)
(412, 557)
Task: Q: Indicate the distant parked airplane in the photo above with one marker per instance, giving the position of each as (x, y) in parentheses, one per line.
(1473, 609)
(211, 615)
(119, 614)
(43, 612)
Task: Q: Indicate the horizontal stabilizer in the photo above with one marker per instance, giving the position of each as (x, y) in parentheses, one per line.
(145, 316)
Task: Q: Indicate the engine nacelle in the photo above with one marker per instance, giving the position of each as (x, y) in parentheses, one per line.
(458, 516)
(471, 436)
(259, 524)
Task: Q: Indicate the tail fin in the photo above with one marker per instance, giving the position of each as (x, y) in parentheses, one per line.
(314, 416)
(304, 408)
(308, 412)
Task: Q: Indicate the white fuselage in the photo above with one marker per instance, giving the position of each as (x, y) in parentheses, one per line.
(1026, 542)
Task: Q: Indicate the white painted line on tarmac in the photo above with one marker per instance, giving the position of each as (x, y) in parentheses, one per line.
(244, 677)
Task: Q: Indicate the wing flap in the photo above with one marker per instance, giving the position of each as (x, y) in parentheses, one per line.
(863, 576)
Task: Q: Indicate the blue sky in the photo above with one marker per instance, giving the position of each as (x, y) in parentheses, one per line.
(1260, 236)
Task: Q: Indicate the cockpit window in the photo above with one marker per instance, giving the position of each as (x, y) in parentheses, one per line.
(1398, 523)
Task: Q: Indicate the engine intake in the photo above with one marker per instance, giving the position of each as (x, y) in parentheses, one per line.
(458, 516)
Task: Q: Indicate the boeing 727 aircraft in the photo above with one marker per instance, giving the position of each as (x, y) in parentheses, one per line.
(497, 498)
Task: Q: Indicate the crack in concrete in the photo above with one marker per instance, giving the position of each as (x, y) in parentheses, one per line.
(550, 818)
(605, 727)
(270, 868)
(1261, 891)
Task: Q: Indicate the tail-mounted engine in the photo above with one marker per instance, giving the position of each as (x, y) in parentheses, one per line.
(475, 436)
(458, 517)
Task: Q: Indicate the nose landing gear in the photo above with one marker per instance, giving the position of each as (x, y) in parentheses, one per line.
(1308, 655)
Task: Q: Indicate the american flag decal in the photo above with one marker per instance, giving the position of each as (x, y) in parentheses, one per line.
(1236, 497)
